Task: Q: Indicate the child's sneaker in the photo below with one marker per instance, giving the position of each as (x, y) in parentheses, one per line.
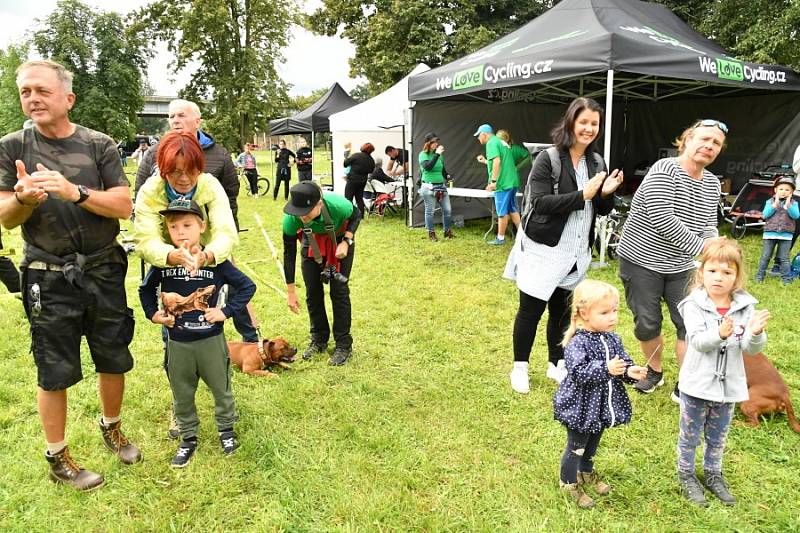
(497, 242)
(577, 495)
(184, 453)
(592, 480)
(228, 441)
(676, 394)
(719, 487)
(691, 488)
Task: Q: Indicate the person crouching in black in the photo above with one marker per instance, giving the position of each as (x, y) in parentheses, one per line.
(326, 226)
(361, 165)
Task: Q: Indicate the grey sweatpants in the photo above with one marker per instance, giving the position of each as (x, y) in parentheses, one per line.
(205, 359)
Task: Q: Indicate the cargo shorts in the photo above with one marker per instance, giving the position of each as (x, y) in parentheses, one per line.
(60, 314)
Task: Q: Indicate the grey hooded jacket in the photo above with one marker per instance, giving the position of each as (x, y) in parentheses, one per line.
(710, 372)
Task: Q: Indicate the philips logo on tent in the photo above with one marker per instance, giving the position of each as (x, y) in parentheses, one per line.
(468, 78)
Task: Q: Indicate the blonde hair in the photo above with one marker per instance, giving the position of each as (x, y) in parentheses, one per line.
(64, 75)
(587, 294)
(680, 140)
(505, 136)
(722, 250)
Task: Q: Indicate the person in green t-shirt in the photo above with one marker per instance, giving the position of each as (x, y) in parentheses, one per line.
(433, 188)
(328, 262)
(503, 180)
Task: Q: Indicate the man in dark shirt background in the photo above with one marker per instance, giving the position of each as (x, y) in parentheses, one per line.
(284, 173)
(304, 161)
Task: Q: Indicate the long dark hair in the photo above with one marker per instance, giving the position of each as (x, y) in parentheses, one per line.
(563, 134)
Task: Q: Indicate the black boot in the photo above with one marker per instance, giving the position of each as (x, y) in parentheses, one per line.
(448, 234)
(432, 236)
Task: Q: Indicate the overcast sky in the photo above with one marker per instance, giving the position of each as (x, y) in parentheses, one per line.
(325, 57)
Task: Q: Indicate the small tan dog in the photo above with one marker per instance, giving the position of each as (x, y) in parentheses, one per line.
(276, 352)
(768, 392)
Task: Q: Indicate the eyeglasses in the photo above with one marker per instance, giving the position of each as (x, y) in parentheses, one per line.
(176, 174)
(711, 122)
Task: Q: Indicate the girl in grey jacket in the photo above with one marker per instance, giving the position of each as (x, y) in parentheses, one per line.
(721, 324)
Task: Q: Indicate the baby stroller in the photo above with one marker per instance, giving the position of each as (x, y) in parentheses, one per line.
(745, 212)
(746, 209)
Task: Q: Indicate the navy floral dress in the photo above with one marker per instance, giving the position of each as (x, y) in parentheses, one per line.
(589, 399)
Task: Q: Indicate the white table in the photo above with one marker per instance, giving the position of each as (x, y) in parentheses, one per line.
(463, 192)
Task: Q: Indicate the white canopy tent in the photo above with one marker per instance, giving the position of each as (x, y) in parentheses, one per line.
(380, 120)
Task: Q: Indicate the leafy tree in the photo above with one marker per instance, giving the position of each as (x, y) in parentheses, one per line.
(11, 115)
(298, 103)
(392, 36)
(361, 92)
(237, 44)
(106, 59)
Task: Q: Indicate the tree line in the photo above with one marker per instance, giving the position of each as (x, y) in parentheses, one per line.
(235, 47)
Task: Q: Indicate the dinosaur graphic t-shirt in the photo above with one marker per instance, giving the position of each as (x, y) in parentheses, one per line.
(188, 297)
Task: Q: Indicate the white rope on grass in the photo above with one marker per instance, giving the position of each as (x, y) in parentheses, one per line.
(261, 281)
(272, 249)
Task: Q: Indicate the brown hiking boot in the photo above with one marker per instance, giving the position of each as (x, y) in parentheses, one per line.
(592, 481)
(577, 495)
(449, 234)
(115, 441)
(432, 236)
(64, 469)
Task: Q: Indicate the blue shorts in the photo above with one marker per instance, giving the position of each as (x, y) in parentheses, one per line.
(505, 202)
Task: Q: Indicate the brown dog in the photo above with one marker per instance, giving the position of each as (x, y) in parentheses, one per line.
(277, 352)
(768, 392)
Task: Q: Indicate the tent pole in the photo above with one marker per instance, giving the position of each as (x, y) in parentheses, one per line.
(602, 226)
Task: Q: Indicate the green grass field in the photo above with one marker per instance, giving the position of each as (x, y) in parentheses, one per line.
(420, 431)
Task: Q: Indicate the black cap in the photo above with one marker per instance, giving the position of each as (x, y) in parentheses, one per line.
(182, 205)
(303, 197)
(430, 136)
(784, 180)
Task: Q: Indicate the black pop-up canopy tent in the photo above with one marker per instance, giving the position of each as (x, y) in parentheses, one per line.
(654, 74)
(315, 117)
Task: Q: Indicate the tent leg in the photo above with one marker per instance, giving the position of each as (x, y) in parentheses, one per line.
(607, 156)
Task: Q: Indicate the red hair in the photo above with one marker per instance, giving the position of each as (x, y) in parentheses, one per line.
(177, 143)
(367, 148)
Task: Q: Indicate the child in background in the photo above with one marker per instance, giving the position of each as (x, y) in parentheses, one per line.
(780, 213)
(721, 324)
(196, 345)
(592, 397)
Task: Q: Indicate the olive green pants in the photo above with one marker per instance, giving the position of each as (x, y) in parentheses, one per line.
(188, 362)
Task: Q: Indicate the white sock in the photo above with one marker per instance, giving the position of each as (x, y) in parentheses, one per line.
(107, 421)
(55, 447)
(521, 365)
(501, 237)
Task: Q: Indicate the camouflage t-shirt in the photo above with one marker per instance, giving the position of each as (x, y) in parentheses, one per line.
(86, 157)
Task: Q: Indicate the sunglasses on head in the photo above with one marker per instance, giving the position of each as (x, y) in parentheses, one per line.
(711, 122)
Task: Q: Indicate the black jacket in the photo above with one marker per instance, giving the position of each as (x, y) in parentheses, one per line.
(551, 211)
(361, 165)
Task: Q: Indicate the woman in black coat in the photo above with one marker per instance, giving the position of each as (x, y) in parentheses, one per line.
(361, 166)
(553, 248)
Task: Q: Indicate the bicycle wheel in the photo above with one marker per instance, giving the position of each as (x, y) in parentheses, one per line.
(739, 227)
(263, 186)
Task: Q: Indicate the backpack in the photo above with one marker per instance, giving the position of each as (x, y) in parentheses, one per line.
(555, 167)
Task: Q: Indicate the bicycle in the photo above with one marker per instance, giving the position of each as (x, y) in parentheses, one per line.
(262, 184)
(609, 227)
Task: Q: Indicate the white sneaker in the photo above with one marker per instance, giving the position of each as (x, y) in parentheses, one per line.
(556, 373)
(519, 381)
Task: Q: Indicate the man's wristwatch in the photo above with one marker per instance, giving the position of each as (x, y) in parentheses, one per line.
(84, 194)
(349, 241)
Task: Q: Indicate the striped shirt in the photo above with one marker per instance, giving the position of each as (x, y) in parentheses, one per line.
(538, 269)
(671, 216)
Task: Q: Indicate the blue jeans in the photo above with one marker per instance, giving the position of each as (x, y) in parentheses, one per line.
(429, 197)
(712, 419)
(781, 258)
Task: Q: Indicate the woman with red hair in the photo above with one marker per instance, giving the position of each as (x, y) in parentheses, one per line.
(180, 163)
(361, 165)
